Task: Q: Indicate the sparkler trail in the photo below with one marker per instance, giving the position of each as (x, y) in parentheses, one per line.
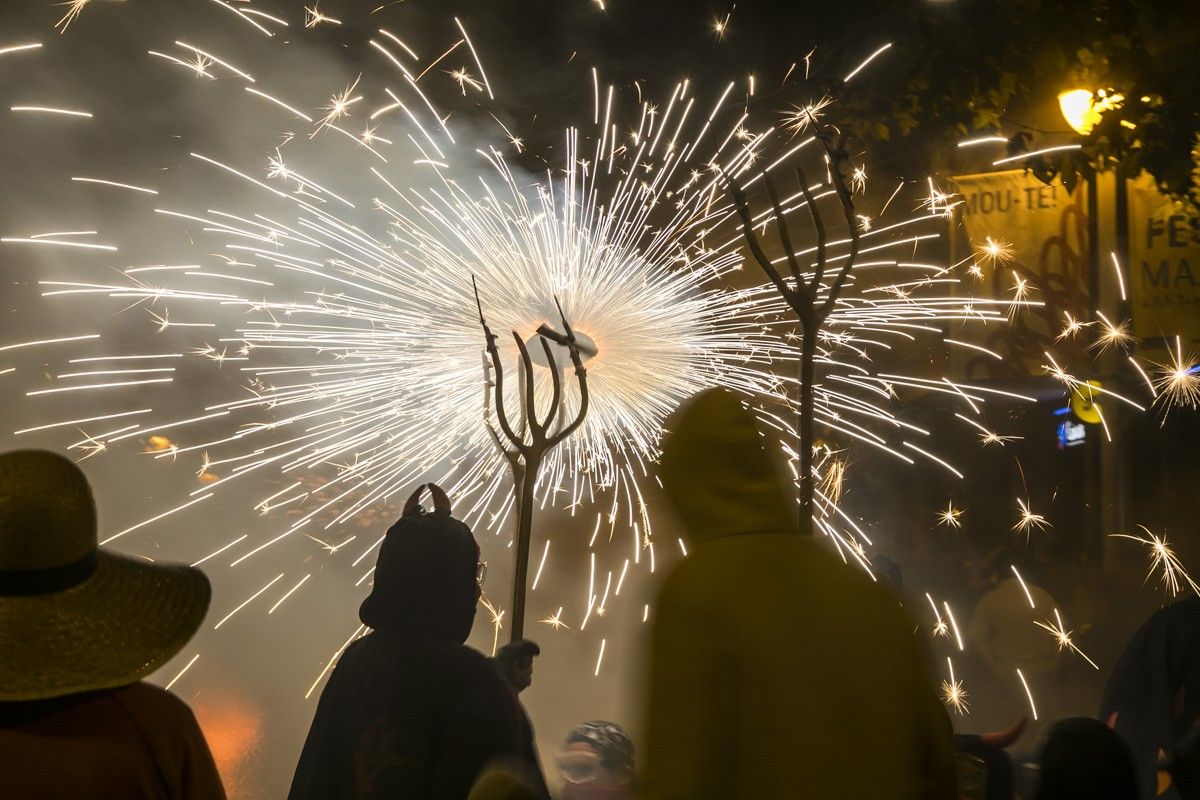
(18, 48)
(648, 296)
(333, 660)
(179, 675)
(1028, 694)
(1024, 587)
(66, 112)
(249, 600)
(954, 626)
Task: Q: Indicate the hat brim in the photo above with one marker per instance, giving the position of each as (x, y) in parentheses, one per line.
(118, 626)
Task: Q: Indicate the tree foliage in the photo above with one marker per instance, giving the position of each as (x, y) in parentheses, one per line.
(960, 68)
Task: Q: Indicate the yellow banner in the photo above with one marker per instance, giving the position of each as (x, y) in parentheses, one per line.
(1043, 230)
(1164, 264)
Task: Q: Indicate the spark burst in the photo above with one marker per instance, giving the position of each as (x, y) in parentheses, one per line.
(950, 516)
(345, 308)
(997, 251)
(1028, 522)
(953, 693)
(1178, 383)
(647, 290)
(1112, 334)
(74, 9)
(1063, 636)
(313, 16)
(1162, 557)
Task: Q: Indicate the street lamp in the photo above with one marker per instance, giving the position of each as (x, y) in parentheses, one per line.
(1081, 108)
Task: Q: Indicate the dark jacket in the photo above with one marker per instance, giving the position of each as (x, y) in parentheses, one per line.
(410, 718)
(1154, 689)
(137, 741)
(410, 712)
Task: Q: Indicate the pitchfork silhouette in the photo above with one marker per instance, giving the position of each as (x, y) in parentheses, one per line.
(531, 439)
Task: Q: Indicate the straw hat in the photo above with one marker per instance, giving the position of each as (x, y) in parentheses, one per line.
(75, 618)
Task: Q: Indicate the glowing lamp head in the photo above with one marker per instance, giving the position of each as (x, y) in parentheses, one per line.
(1082, 108)
(1076, 107)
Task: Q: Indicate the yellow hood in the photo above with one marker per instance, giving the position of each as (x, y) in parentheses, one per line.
(717, 473)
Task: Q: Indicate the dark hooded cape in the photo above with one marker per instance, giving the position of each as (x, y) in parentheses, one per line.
(1084, 760)
(1155, 687)
(410, 712)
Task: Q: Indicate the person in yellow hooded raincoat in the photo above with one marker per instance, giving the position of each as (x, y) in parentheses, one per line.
(777, 671)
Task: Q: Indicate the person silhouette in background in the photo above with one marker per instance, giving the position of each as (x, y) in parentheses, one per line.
(596, 763)
(79, 629)
(999, 627)
(985, 769)
(776, 670)
(1084, 759)
(1153, 694)
(410, 712)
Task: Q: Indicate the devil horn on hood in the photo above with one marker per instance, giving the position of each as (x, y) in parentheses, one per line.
(441, 502)
(1003, 738)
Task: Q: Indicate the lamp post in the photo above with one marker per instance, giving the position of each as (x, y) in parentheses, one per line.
(1106, 469)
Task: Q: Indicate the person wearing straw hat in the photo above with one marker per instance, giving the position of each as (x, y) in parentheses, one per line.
(80, 628)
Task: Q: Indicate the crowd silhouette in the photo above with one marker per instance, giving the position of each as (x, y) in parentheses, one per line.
(774, 669)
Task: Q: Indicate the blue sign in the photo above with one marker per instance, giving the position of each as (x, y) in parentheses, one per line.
(1071, 433)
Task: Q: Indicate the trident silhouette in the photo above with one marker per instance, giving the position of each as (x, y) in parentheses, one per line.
(531, 439)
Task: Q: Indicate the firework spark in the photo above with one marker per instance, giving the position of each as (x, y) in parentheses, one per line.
(950, 516)
(338, 106)
(1028, 693)
(997, 251)
(1112, 335)
(1162, 557)
(74, 9)
(1063, 637)
(1020, 290)
(342, 308)
(1178, 383)
(1028, 522)
(799, 118)
(313, 17)
(953, 693)
(555, 620)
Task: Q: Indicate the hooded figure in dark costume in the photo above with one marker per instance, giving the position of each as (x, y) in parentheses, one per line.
(1084, 759)
(776, 669)
(1154, 690)
(410, 711)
